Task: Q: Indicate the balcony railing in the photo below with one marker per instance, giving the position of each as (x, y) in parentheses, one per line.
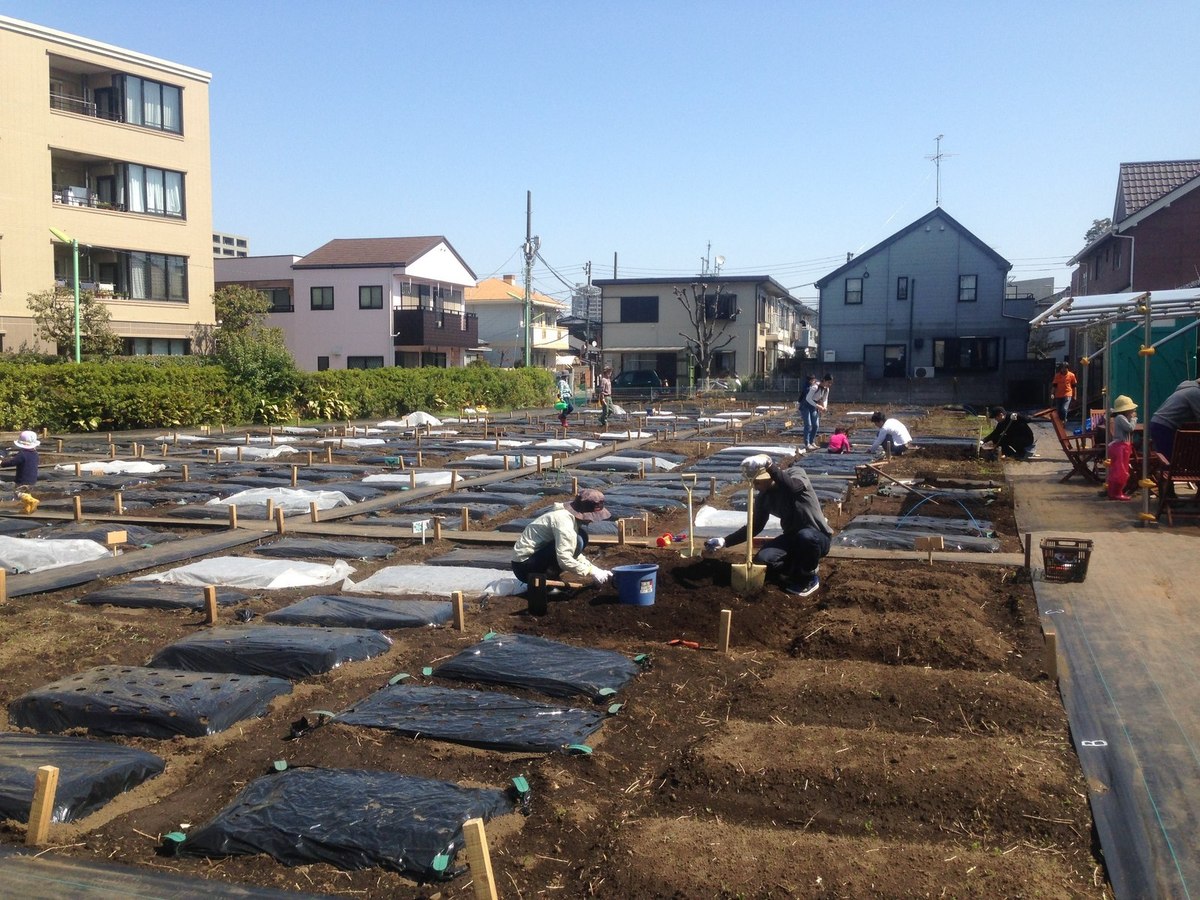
(433, 327)
(67, 103)
(80, 196)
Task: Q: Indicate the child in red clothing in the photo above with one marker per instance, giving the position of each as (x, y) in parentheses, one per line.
(839, 441)
(1120, 448)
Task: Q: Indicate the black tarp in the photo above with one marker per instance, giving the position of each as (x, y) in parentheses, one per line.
(147, 702)
(486, 719)
(135, 534)
(278, 650)
(90, 773)
(339, 611)
(159, 596)
(304, 548)
(351, 819)
(549, 667)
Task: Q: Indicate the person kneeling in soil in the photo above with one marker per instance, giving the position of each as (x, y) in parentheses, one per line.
(25, 461)
(553, 543)
(1012, 436)
(793, 557)
(893, 438)
(839, 441)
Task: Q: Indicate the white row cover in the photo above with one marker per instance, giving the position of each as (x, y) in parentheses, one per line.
(412, 420)
(482, 443)
(292, 501)
(267, 574)
(114, 467)
(634, 464)
(440, 580)
(712, 522)
(19, 555)
(523, 461)
(568, 444)
(228, 453)
(423, 479)
(751, 449)
(355, 442)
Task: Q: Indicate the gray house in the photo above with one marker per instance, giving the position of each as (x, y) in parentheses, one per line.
(924, 317)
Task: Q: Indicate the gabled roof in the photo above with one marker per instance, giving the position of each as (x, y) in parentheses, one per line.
(936, 213)
(1141, 183)
(361, 253)
(500, 290)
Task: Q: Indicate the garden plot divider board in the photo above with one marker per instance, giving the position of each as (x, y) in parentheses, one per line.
(281, 651)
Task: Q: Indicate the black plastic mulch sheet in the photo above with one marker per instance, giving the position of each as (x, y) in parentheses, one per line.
(351, 819)
(932, 524)
(16, 526)
(477, 718)
(146, 702)
(304, 548)
(278, 650)
(135, 534)
(906, 539)
(549, 667)
(90, 773)
(339, 611)
(159, 596)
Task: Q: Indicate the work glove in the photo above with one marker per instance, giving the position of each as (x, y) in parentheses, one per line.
(752, 465)
(712, 545)
(601, 575)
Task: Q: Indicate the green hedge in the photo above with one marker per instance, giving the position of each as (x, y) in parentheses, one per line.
(168, 392)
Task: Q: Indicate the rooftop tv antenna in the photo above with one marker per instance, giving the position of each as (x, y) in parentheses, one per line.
(937, 157)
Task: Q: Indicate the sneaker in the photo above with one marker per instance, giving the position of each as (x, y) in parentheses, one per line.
(800, 589)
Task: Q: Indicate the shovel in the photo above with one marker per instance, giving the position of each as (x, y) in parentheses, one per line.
(691, 550)
(748, 577)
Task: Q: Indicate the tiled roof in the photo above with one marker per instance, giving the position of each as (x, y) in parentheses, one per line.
(1141, 183)
(361, 252)
(499, 290)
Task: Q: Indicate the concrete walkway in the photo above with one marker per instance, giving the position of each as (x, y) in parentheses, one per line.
(1128, 655)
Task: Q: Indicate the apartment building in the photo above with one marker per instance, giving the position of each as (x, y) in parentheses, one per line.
(110, 148)
(230, 244)
(500, 305)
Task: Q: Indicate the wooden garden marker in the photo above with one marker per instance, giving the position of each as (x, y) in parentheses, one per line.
(164, 450)
(437, 528)
(412, 479)
(453, 479)
(247, 439)
(112, 451)
(141, 450)
(459, 618)
(295, 475)
(538, 459)
(712, 486)
(574, 486)
(58, 447)
(620, 531)
(3, 586)
(480, 860)
(329, 453)
(506, 463)
(118, 503)
(78, 469)
(239, 454)
(78, 509)
(210, 603)
(186, 475)
(466, 518)
(1052, 655)
(420, 458)
(310, 457)
(929, 544)
(279, 526)
(232, 516)
(313, 512)
(723, 632)
(41, 812)
(270, 509)
(115, 539)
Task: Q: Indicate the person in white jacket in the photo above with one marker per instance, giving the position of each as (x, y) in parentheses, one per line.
(893, 436)
(553, 543)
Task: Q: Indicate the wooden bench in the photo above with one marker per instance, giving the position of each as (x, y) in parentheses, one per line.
(1085, 459)
(1183, 470)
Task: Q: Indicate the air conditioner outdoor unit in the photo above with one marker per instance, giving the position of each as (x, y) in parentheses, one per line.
(924, 372)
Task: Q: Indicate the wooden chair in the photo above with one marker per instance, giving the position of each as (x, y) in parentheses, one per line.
(1085, 459)
(1183, 471)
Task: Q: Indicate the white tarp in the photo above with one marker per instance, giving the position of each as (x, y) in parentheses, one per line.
(354, 442)
(773, 449)
(712, 522)
(269, 574)
(228, 453)
(292, 501)
(423, 479)
(522, 461)
(485, 444)
(568, 444)
(32, 555)
(414, 419)
(440, 580)
(634, 464)
(114, 467)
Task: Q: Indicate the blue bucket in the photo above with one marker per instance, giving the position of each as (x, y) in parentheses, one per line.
(636, 584)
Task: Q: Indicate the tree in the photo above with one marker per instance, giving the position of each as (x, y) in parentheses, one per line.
(53, 313)
(1099, 226)
(709, 315)
(255, 356)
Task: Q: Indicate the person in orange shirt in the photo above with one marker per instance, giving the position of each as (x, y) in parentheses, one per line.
(1063, 390)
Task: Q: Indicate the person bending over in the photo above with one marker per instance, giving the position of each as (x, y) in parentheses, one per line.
(553, 543)
(893, 437)
(1012, 436)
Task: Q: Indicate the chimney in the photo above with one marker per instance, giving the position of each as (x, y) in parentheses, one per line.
(510, 279)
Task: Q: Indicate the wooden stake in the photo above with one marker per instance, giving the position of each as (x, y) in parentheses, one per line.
(45, 786)
(58, 447)
(453, 479)
(78, 509)
(574, 486)
(1028, 548)
(239, 454)
(280, 528)
(1052, 655)
(313, 512)
(459, 617)
(112, 451)
(712, 486)
(480, 860)
(3, 586)
(466, 519)
(724, 630)
(646, 524)
(164, 450)
(310, 457)
(78, 469)
(620, 531)
(232, 516)
(412, 479)
(420, 458)
(270, 509)
(210, 603)
(296, 477)
(186, 475)
(437, 528)
(506, 463)
(329, 453)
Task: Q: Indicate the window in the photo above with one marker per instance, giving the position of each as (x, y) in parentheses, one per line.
(156, 346)
(321, 297)
(370, 296)
(364, 362)
(721, 306)
(156, 276)
(280, 299)
(152, 104)
(437, 360)
(966, 354)
(902, 287)
(1116, 256)
(322, 363)
(885, 361)
(853, 291)
(639, 309)
(145, 189)
(967, 288)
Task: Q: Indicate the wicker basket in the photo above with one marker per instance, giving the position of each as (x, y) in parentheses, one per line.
(1065, 559)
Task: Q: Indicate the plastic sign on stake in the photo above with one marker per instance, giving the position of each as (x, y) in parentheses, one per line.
(420, 527)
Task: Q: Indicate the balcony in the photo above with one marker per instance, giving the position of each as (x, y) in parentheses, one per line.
(434, 328)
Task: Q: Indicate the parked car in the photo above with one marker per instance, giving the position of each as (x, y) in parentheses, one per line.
(641, 384)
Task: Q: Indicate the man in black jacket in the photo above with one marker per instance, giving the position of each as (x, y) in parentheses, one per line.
(1012, 436)
(791, 558)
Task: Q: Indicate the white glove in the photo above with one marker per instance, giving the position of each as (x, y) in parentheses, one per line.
(601, 575)
(752, 465)
(712, 545)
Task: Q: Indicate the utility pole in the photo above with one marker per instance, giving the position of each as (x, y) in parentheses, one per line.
(530, 249)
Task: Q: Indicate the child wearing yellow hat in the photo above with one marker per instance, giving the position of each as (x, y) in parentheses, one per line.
(1120, 448)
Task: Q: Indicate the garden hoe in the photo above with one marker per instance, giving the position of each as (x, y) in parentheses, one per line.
(748, 577)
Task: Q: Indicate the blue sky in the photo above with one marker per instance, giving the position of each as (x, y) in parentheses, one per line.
(784, 133)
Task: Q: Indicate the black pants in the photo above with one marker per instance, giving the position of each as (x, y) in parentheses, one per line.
(544, 560)
(795, 556)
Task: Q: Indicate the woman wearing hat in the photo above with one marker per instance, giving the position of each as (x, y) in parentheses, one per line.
(1012, 436)
(1120, 448)
(25, 461)
(553, 542)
